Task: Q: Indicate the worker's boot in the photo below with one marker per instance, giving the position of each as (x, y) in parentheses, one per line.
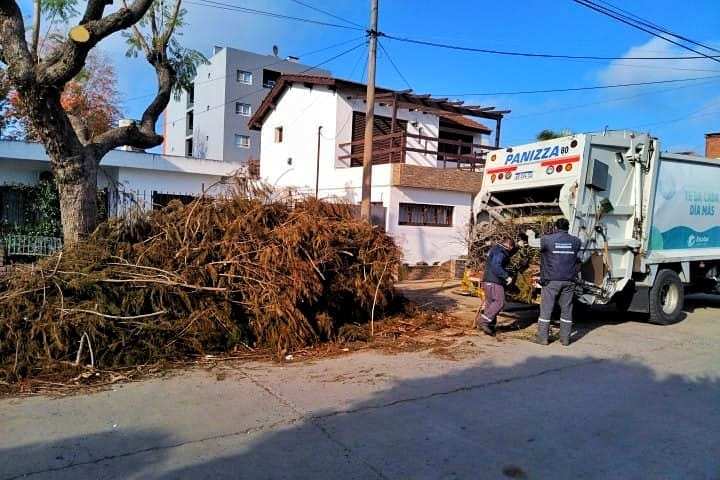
(543, 332)
(565, 331)
(485, 325)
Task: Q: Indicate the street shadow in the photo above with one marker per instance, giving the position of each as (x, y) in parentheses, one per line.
(700, 301)
(545, 417)
(79, 457)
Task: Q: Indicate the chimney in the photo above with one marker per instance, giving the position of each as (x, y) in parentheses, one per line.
(712, 145)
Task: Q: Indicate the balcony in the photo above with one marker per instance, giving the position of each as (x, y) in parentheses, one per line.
(395, 148)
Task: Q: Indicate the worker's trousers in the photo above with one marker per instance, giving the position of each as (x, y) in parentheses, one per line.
(494, 302)
(557, 292)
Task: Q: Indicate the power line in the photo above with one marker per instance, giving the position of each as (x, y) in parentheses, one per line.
(650, 24)
(235, 8)
(577, 89)
(397, 70)
(607, 101)
(312, 52)
(334, 57)
(531, 54)
(330, 14)
(611, 14)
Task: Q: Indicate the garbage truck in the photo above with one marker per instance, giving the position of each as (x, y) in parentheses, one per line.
(649, 220)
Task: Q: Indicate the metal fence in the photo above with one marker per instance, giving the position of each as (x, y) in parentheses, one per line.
(31, 245)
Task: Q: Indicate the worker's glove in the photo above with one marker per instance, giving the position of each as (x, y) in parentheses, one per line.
(508, 280)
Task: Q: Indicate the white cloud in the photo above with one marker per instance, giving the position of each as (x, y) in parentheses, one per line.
(632, 71)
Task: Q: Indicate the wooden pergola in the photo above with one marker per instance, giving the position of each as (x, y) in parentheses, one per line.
(408, 99)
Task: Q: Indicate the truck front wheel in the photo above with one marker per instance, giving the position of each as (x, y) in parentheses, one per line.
(666, 298)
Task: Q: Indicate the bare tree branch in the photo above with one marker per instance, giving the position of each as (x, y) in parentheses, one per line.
(15, 53)
(37, 12)
(139, 36)
(141, 135)
(93, 11)
(153, 24)
(170, 26)
(61, 68)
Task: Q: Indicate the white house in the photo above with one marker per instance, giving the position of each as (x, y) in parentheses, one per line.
(427, 156)
(128, 178)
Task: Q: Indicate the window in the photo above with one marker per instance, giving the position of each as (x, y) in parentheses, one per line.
(189, 147)
(425, 215)
(160, 200)
(191, 95)
(188, 123)
(381, 126)
(278, 134)
(270, 78)
(242, 141)
(244, 76)
(244, 109)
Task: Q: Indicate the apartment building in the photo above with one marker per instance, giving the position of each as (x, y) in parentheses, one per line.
(211, 120)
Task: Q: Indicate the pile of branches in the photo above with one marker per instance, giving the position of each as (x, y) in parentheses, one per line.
(524, 264)
(247, 270)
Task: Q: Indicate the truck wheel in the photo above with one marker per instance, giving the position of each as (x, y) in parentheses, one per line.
(666, 298)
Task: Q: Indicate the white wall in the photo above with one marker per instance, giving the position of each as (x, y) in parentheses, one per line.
(131, 172)
(21, 172)
(430, 244)
(142, 183)
(293, 163)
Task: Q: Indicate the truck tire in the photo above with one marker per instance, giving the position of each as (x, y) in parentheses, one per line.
(667, 296)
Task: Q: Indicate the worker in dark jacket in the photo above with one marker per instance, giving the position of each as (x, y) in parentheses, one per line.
(495, 280)
(559, 264)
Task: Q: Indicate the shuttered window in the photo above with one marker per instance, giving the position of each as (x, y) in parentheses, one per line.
(381, 126)
(421, 214)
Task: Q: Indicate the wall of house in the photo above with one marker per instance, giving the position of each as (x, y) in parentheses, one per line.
(142, 183)
(430, 244)
(22, 163)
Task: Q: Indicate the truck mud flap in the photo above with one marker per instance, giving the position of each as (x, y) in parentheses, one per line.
(640, 301)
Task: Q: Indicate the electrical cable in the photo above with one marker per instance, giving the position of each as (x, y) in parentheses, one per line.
(397, 70)
(330, 14)
(577, 89)
(345, 52)
(235, 8)
(531, 54)
(611, 14)
(330, 47)
(655, 26)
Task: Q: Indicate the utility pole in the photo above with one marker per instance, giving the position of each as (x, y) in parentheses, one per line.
(369, 113)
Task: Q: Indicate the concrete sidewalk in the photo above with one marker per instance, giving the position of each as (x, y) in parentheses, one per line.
(628, 400)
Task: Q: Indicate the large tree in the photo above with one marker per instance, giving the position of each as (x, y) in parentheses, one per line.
(40, 80)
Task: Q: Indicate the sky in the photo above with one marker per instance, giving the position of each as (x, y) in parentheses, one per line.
(679, 113)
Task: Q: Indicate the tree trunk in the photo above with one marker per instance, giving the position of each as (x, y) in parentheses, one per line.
(78, 200)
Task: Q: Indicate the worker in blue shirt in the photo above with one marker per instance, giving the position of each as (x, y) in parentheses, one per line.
(495, 280)
(559, 266)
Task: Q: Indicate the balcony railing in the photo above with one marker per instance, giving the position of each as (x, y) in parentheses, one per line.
(394, 147)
